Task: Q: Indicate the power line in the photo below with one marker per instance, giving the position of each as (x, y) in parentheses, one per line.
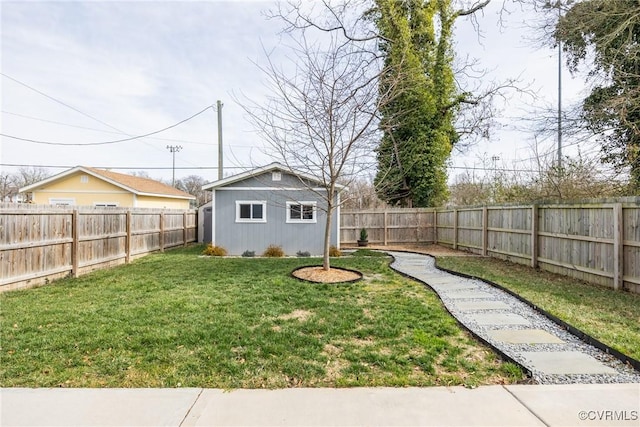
(182, 141)
(109, 142)
(84, 114)
(72, 108)
(58, 101)
(24, 116)
(124, 167)
(493, 169)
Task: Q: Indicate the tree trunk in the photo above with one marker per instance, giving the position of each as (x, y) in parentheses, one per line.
(326, 264)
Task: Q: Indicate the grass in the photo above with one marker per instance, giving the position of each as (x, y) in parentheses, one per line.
(180, 320)
(611, 317)
(368, 253)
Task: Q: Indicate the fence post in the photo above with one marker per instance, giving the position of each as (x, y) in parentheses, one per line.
(184, 228)
(455, 229)
(618, 247)
(485, 230)
(76, 241)
(161, 231)
(534, 236)
(385, 227)
(127, 243)
(435, 226)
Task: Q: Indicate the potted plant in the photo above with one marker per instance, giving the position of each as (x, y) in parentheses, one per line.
(364, 237)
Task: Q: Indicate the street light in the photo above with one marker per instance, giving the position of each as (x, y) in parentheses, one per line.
(174, 149)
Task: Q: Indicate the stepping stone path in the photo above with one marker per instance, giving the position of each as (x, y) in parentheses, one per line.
(552, 354)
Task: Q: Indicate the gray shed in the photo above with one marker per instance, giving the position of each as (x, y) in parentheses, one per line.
(269, 205)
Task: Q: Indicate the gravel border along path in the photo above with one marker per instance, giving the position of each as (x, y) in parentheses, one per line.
(509, 325)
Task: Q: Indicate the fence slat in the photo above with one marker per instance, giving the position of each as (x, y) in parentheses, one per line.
(618, 247)
(41, 242)
(598, 242)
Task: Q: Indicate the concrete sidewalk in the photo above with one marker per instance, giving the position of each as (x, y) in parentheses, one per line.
(516, 405)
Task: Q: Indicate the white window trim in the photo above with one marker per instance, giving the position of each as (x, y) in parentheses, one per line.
(302, 221)
(62, 201)
(251, 202)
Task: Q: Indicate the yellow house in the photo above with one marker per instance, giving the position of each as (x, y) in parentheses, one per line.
(84, 186)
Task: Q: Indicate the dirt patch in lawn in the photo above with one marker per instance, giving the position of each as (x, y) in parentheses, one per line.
(334, 275)
(301, 315)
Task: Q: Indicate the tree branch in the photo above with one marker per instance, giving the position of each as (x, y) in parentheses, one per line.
(473, 9)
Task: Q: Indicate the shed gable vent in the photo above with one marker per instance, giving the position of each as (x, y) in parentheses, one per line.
(84, 179)
(276, 176)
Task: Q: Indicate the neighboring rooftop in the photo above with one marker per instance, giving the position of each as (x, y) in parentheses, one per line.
(135, 184)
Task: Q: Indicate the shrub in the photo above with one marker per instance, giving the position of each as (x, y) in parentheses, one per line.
(249, 254)
(212, 250)
(334, 252)
(363, 234)
(303, 254)
(273, 251)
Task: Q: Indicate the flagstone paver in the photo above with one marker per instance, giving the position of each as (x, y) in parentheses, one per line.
(524, 336)
(566, 362)
(480, 305)
(548, 351)
(467, 294)
(454, 286)
(498, 319)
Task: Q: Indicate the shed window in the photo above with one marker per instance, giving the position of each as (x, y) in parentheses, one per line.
(251, 211)
(301, 211)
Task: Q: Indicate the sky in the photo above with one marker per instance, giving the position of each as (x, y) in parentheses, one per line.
(87, 72)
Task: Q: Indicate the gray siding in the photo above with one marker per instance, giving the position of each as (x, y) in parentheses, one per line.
(265, 180)
(237, 237)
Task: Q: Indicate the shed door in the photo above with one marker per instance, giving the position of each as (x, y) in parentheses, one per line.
(207, 225)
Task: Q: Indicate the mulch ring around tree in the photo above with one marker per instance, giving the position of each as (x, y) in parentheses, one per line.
(316, 274)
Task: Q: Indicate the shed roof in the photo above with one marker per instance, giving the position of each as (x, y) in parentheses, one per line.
(135, 184)
(275, 166)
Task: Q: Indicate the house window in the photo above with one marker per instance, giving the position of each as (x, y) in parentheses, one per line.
(105, 205)
(251, 211)
(301, 212)
(62, 202)
(84, 179)
(276, 176)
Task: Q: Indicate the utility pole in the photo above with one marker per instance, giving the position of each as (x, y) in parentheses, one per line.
(174, 149)
(219, 106)
(559, 97)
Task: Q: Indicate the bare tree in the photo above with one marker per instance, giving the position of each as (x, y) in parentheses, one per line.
(27, 176)
(10, 183)
(8, 187)
(362, 195)
(321, 116)
(192, 184)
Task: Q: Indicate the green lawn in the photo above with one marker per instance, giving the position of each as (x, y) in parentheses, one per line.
(611, 317)
(180, 320)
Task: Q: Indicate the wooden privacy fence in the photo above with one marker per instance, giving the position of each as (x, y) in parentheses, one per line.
(41, 243)
(388, 226)
(592, 241)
